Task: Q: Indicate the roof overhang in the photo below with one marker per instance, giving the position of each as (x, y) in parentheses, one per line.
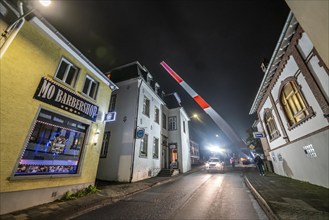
(280, 49)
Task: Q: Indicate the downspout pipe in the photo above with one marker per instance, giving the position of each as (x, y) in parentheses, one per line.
(12, 30)
(134, 139)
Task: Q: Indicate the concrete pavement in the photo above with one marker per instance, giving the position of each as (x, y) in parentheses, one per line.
(280, 197)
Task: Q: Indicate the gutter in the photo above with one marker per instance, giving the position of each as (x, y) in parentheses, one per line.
(276, 50)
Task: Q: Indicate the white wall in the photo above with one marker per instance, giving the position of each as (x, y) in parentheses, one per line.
(145, 167)
(117, 165)
(317, 121)
(181, 138)
(297, 165)
(305, 47)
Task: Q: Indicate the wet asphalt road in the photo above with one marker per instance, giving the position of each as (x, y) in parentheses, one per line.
(199, 195)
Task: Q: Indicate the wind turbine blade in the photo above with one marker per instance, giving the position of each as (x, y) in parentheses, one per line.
(219, 121)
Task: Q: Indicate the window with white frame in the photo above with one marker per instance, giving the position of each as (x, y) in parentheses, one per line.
(67, 73)
(294, 104)
(184, 126)
(164, 121)
(155, 147)
(270, 125)
(105, 144)
(143, 147)
(156, 115)
(146, 106)
(90, 87)
(172, 123)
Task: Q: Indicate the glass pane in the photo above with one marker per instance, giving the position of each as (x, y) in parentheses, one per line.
(52, 149)
(71, 76)
(61, 70)
(292, 106)
(300, 100)
(296, 101)
(93, 90)
(287, 90)
(86, 86)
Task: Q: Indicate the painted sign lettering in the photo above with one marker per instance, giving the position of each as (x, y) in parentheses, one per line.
(56, 95)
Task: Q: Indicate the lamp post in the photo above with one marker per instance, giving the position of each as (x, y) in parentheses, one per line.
(12, 30)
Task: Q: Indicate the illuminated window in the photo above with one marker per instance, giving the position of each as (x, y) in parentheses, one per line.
(143, 148)
(294, 104)
(155, 148)
(67, 73)
(270, 125)
(105, 144)
(90, 87)
(146, 107)
(54, 146)
(156, 115)
(172, 123)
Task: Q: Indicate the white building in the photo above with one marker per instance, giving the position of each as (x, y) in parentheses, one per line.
(131, 146)
(178, 133)
(292, 107)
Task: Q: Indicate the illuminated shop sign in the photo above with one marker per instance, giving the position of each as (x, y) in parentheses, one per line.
(110, 116)
(53, 147)
(56, 95)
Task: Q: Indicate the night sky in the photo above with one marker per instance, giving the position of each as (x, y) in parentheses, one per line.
(216, 46)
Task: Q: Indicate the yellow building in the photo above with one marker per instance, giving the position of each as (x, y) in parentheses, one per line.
(53, 102)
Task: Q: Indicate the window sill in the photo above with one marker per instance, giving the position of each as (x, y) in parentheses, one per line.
(312, 114)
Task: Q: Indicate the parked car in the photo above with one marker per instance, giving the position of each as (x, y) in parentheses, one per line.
(245, 160)
(214, 164)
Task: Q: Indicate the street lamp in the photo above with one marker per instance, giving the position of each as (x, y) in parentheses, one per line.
(196, 116)
(12, 30)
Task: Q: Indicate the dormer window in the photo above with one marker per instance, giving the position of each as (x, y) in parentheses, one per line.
(156, 88)
(149, 78)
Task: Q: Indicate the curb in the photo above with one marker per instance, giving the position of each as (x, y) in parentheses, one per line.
(261, 201)
(107, 201)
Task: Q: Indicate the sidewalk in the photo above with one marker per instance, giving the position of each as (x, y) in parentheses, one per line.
(280, 197)
(286, 198)
(110, 193)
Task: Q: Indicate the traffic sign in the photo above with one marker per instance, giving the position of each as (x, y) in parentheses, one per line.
(258, 135)
(251, 146)
(140, 132)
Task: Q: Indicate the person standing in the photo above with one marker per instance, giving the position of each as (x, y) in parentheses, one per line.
(232, 161)
(259, 163)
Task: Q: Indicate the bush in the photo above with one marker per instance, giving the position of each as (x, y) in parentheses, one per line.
(80, 193)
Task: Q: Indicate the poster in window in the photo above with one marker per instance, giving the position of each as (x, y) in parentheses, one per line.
(54, 146)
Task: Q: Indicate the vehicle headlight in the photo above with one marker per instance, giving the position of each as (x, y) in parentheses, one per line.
(207, 164)
(217, 164)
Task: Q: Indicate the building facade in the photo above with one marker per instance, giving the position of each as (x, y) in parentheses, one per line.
(52, 105)
(178, 134)
(139, 138)
(292, 107)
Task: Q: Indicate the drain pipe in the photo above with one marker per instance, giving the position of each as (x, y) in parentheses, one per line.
(11, 31)
(134, 142)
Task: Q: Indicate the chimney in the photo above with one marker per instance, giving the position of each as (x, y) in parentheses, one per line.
(264, 65)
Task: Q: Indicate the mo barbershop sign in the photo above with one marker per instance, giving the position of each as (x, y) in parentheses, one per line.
(56, 95)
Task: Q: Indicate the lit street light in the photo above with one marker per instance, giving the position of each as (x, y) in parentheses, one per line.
(12, 30)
